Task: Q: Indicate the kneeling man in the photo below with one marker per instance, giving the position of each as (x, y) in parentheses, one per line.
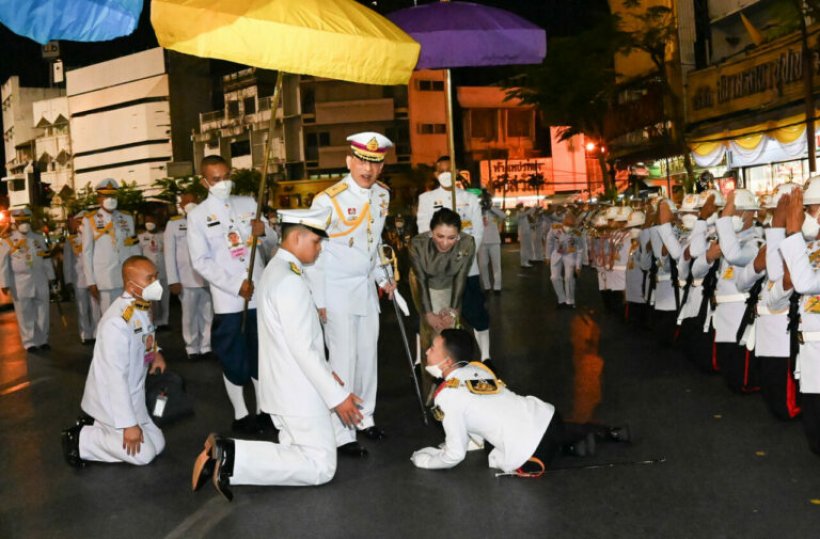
(297, 386)
(120, 428)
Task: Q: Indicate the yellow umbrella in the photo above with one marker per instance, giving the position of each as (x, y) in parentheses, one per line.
(337, 39)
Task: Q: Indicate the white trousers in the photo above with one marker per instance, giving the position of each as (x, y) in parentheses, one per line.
(525, 241)
(197, 316)
(538, 245)
(103, 443)
(562, 275)
(107, 297)
(489, 257)
(304, 456)
(88, 313)
(352, 341)
(160, 308)
(33, 319)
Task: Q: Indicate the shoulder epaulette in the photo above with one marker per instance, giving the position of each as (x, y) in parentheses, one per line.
(128, 313)
(295, 269)
(335, 189)
(175, 218)
(383, 185)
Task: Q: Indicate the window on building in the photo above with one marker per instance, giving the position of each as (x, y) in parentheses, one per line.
(240, 147)
(519, 123)
(233, 109)
(250, 104)
(483, 124)
(430, 85)
(432, 129)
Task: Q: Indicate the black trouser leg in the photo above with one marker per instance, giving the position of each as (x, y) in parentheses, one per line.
(810, 406)
(778, 386)
(738, 367)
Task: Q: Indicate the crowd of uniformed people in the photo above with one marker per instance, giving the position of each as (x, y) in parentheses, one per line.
(290, 309)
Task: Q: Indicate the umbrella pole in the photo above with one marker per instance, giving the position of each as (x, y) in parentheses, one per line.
(451, 139)
(274, 105)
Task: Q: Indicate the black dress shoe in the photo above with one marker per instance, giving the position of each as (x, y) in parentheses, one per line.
(265, 423)
(353, 449)
(89, 342)
(246, 425)
(374, 433)
(222, 454)
(194, 357)
(71, 446)
(45, 346)
(31, 349)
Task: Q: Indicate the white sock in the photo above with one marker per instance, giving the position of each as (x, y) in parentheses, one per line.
(237, 398)
(483, 338)
(256, 392)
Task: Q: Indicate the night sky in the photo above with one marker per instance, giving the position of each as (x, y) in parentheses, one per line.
(21, 56)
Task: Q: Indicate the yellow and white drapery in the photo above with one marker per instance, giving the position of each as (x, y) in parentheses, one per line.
(749, 144)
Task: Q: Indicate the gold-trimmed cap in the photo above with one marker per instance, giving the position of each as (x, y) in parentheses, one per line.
(370, 146)
(108, 186)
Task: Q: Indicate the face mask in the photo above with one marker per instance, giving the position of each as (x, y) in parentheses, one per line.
(24, 228)
(635, 233)
(811, 228)
(150, 227)
(712, 219)
(110, 204)
(189, 207)
(768, 220)
(434, 371)
(688, 221)
(737, 223)
(222, 190)
(152, 292)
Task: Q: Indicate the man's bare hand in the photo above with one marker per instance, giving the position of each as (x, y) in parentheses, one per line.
(389, 288)
(714, 252)
(787, 277)
(176, 289)
(94, 291)
(257, 227)
(729, 209)
(760, 260)
(348, 410)
(246, 290)
(158, 365)
(132, 439)
(779, 217)
(709, 207)
(795, 213)
(665, 214)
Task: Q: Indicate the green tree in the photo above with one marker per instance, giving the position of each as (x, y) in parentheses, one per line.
(130, 198)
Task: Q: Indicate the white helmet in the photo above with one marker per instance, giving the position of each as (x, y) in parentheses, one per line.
(719, 201)
(600, 220)
(745, 200)
(691, 203)
(623, 214)
(812, 193)
(636, 218)
(779, 191)
(611, 213)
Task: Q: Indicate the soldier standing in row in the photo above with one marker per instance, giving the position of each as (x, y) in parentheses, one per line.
(151, 243)
(26, 271)
(88, 308)
(108, 239)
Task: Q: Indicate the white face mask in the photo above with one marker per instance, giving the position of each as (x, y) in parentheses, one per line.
(811, 228)
(712, 219)
(222, 190)
(24, 228)
(688, 221)
(152, 292)
(434, 371)
(150, 227)
(110, 204)
(737, 223)
(189, 207)
(635, 233)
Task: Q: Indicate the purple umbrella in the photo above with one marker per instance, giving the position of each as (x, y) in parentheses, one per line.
(463, 34)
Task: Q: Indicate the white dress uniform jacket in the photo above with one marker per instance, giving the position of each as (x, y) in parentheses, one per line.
(219, 241)
(738, 251)
(88, 310)
(468, 208)
(512, 423)
(108, 240)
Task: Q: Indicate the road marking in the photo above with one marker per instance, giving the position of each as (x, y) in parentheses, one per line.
(22, 385)
(204, 519)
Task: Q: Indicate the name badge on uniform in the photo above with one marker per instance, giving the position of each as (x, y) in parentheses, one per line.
(150, 348)
(236, 246)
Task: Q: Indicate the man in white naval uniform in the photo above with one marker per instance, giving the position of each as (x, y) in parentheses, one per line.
(108, 239)
(526, 433)
(803, 263)
(88, 309)
(489, 252)
(564, 247)
(151, 243)
(26, 271)
(344, 278)
(187, 284)
(468, 207)
(667, 252)
(221, 231)
(525, 226)
(298, 387)
(120, 428)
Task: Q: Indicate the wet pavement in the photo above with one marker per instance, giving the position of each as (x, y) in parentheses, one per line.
(705, 462)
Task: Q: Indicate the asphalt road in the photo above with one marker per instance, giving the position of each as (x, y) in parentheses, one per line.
(705, 462)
